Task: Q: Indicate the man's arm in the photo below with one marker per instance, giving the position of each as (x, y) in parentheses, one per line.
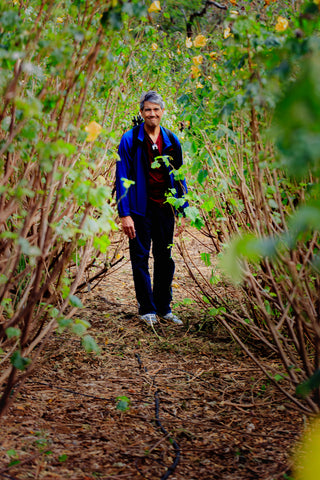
(122, 172)
(127, 224)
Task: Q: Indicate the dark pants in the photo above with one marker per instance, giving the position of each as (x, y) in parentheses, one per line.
(156, 227)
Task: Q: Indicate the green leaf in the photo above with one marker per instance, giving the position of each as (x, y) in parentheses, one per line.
(90, 344)
(10, 19)
(101, 243)
(11, 453)
(30, 107)
(18, 361)
(99, 196)
(64, 322)
(13, 332)
(78, 329)
(297, 120)
(206, 258)
(305, 388)
(187, 301)
(127, 183)
(83, 322)
(123, 403)
(202, 175)
(75, 301)
(194, 215)
(27, 249)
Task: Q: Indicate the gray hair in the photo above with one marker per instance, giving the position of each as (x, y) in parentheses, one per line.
(152, 97)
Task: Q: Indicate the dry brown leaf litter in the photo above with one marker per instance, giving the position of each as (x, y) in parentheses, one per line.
(215, 405)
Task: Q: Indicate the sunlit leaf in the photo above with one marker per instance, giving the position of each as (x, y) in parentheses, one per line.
(188, 42)
(282, 24)
(200, 41)
(94, 130)
(197, 60)
(154, 7)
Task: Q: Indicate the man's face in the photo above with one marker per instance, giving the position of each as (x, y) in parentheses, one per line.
(152, 114)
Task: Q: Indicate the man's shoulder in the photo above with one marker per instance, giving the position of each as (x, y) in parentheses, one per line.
(127, 134)
(172, 137)
(127, 137)
(131, 133)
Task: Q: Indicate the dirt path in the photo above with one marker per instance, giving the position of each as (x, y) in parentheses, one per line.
(193, 406)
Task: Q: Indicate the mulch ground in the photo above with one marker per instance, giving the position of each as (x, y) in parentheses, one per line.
(169, 402)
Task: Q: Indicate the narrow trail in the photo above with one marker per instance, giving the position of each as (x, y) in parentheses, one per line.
(169, 402)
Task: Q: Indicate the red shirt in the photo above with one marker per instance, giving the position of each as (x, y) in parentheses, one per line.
(158, 177)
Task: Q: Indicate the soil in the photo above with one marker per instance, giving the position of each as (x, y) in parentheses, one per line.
(167, 402)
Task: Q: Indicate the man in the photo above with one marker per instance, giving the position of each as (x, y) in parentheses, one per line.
(145, 215)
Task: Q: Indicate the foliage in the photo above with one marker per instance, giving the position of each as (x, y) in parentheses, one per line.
(240, 84)
(53, 203)
(253, 142)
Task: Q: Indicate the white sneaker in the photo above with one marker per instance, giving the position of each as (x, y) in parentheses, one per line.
(173, 318)
(149, 318)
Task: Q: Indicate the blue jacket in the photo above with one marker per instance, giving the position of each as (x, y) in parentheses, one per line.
(135, 199)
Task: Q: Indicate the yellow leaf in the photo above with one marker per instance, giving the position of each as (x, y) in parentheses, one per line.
(154, 7)
(188, 42)
(200, 41)
(213, 55)
(226, 32)
(154, 47)
(199, 85)
(234, 2)
(94, 130)
(195, 71)
(197, 60)
(59, 19)
(282, 24)
(106, 341)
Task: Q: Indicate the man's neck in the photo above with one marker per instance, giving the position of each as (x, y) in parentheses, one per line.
(152, 132)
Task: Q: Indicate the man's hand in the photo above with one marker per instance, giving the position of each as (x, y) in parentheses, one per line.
(128, 226)
(181, 225)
